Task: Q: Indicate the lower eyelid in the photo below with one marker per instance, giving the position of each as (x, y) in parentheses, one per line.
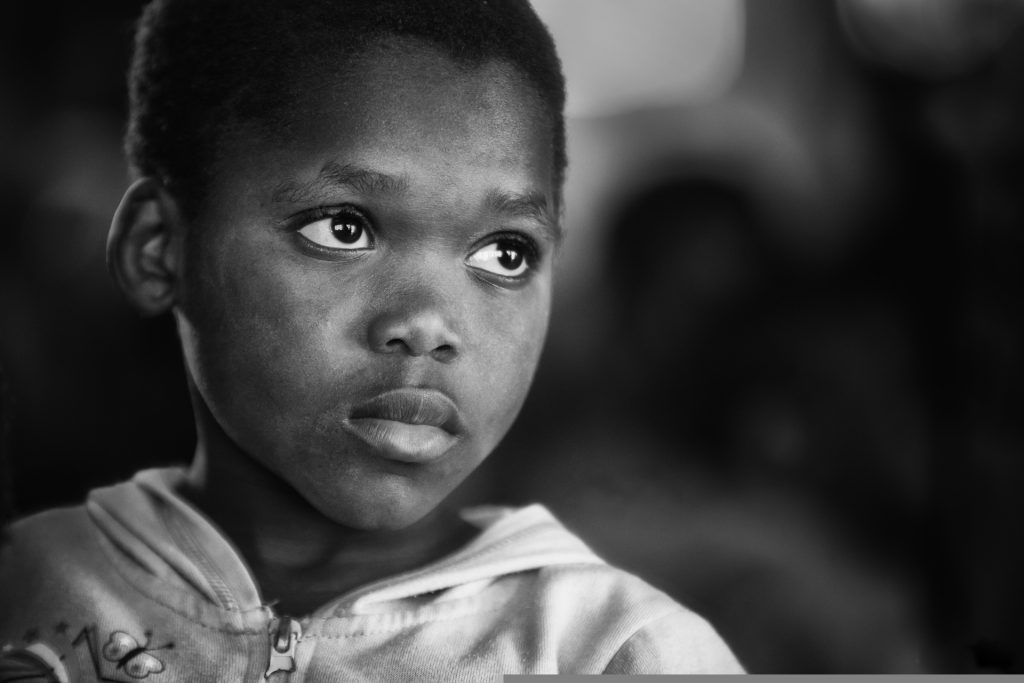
(502, 282)
(321, 252)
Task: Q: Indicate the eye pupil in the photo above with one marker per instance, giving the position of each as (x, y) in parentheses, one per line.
(510, 258)
(346, 230)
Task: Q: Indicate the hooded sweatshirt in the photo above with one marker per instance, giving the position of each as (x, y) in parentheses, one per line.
(137, 584)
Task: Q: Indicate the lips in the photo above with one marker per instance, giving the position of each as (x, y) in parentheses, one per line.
(408, 425)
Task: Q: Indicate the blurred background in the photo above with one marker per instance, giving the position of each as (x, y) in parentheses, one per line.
(785, 373)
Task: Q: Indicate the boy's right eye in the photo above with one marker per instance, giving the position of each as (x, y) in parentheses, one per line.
(344, 229)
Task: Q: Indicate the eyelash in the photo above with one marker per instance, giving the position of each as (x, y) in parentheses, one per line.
(321, 212)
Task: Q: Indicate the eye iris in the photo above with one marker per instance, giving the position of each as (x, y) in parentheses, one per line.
(346, 230)
(510, 257)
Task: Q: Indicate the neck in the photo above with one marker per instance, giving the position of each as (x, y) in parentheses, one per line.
(299, 558)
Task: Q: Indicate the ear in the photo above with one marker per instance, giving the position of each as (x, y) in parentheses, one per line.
(143, 249)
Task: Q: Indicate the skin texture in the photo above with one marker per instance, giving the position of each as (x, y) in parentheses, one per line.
(284, 339)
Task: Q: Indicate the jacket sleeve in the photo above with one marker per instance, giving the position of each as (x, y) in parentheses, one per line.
(678, 643)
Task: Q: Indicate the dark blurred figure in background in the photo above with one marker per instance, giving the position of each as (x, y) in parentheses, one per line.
(6, 486)
(790, 343)
(949, 78)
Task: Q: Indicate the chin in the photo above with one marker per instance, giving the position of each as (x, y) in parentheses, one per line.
(381, 506)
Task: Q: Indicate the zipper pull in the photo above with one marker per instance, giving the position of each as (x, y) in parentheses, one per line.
(283, 641)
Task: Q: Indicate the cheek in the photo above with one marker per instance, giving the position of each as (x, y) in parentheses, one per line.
(513, 339)
(259, 330)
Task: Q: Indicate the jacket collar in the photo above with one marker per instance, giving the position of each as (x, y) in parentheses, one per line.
(163, 535)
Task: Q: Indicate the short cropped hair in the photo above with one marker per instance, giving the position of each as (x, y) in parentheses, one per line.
(202, 68)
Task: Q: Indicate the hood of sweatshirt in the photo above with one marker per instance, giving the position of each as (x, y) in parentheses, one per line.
(159, 534)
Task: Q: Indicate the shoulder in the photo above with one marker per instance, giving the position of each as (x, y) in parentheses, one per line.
(597, 618)
(678, 642)
(591, 617)
(623, 625)
(42, 555)
(43, 538)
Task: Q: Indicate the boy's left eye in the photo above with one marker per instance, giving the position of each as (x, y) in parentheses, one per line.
(347, 230)
(505, 256)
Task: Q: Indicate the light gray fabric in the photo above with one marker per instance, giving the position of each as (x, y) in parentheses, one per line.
(137, 584)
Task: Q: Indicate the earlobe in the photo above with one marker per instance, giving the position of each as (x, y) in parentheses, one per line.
(144, 244)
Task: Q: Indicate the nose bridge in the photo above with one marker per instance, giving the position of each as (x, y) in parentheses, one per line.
(417, 311)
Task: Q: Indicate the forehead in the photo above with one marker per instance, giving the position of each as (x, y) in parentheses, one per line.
(405, 110)
(410, 94)
(395, 72)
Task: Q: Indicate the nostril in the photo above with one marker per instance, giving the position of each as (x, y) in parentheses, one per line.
(395, 345)
(444, 353)
(417, 333)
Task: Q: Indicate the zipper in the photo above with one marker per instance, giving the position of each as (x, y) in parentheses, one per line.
(283, 641)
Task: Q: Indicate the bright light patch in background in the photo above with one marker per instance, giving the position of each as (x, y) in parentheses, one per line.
(621, 55)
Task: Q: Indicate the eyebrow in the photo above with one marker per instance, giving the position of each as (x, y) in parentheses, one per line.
(530, 205)
(334, 175)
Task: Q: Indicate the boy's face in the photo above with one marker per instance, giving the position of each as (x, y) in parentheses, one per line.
(366, 294)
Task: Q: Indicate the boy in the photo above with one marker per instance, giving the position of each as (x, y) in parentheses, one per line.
(352, 209)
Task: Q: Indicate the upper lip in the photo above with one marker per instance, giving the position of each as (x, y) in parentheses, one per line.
(412, 405)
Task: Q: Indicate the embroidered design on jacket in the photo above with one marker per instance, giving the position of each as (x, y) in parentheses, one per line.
(124, 652)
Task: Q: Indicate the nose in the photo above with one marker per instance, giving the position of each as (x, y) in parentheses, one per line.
(416, 324)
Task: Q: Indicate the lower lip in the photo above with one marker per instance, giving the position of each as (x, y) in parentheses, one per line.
(402, 441)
